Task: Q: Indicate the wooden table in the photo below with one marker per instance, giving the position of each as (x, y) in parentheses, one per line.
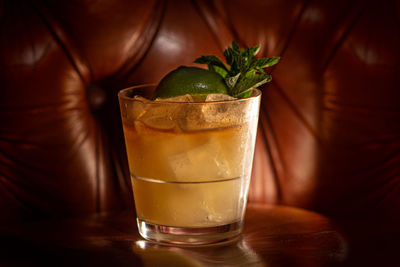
(272, 236)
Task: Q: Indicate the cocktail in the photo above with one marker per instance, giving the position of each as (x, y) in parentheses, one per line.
(190, 159)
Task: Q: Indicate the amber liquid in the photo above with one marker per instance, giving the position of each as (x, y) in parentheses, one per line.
(189, 179)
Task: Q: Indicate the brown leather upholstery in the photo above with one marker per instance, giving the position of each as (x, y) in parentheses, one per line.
(329, 135)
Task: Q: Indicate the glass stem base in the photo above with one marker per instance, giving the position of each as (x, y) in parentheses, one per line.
(188, 236)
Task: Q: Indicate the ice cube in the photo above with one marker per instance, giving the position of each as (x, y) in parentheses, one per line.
(220, 114)
(190, 117)
(219, 97)
(130, 111)
(216, 112)
(160, 116)
(202, 162)
(141, 98)
(183, 98)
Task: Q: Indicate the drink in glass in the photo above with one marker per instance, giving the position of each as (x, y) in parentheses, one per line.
(190, 165)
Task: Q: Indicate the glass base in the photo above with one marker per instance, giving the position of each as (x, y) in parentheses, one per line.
(187, 236)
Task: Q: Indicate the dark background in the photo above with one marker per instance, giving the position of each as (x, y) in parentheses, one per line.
(329, 132)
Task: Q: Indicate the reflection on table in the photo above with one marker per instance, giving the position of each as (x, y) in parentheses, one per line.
(236, 253)
(272, 236)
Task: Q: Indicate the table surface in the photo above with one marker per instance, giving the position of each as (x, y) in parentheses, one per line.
(272, 236)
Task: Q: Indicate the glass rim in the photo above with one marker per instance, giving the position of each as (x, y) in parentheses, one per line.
(121, 95)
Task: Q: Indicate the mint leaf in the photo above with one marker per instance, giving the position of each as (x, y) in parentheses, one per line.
(265, 62)
(251, 80)
(231, 81)
(228, 56)
(243, 72)
(244, 94)
(214, 64)
(254, 50)
(211, 60)
(221, 71)
(235, 46)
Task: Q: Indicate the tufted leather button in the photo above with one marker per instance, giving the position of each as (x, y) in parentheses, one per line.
(96, 97)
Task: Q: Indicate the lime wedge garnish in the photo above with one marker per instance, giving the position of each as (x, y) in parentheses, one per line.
(194, 81)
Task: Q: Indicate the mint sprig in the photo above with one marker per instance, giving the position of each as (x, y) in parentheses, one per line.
(243, 72)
